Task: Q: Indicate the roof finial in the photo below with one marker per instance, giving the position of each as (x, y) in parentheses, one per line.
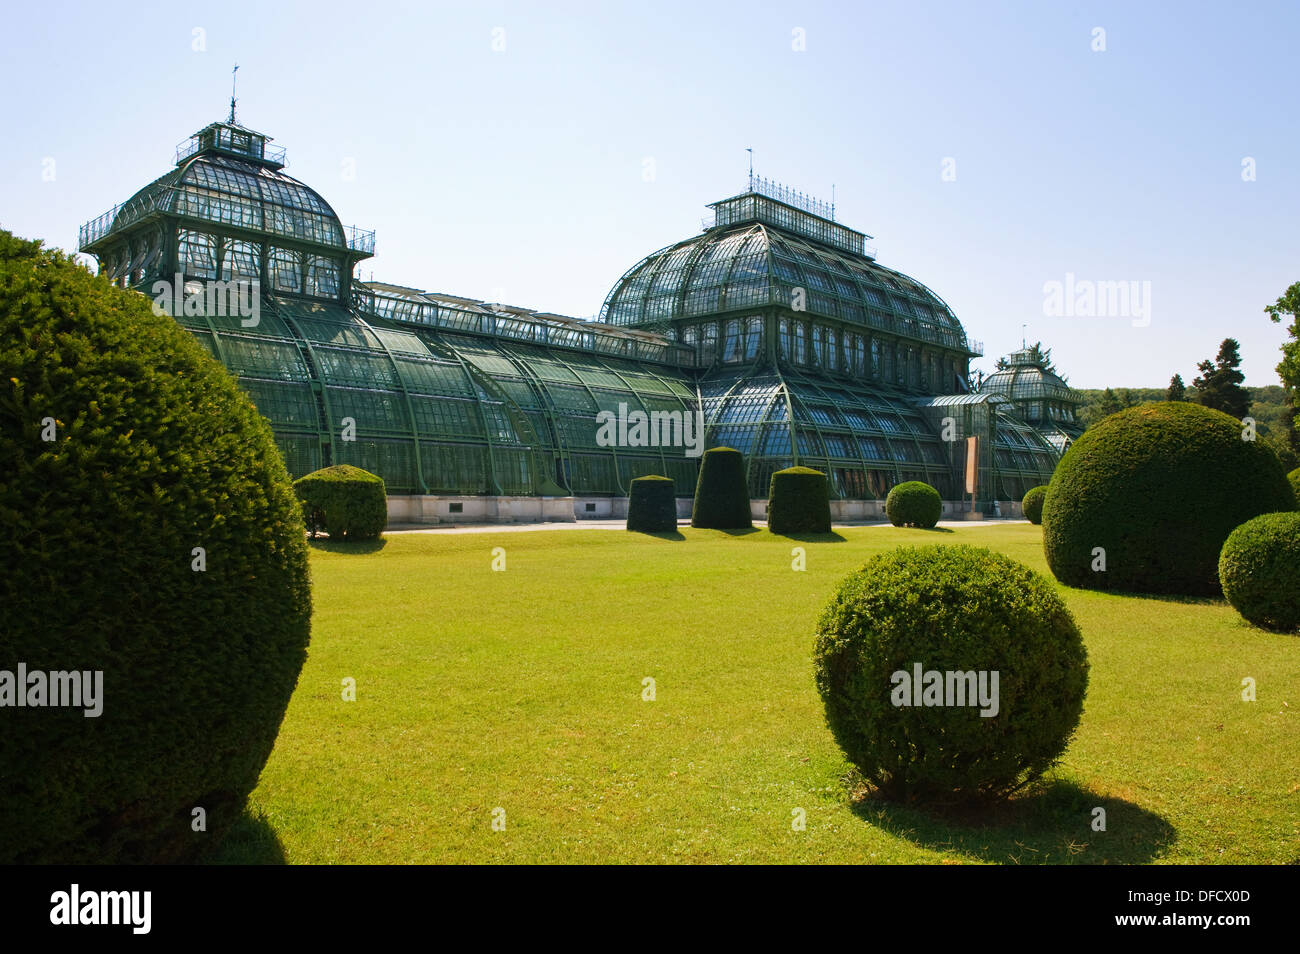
(1023, 338)
(751, 167)
(232, 93)
(832, 201)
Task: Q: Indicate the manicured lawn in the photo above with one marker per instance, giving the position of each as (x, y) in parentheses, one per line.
(522, 690)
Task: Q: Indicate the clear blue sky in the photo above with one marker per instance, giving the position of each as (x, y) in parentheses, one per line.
(517, 175)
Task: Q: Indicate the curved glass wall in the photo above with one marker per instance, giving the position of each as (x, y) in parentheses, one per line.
(440, 413)
(865, 441)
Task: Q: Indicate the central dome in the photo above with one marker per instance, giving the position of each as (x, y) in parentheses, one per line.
(746, 261)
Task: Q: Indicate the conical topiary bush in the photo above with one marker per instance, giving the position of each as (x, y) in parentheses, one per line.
(722, 494)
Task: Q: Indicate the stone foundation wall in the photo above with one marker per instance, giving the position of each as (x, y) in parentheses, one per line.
(431, 510)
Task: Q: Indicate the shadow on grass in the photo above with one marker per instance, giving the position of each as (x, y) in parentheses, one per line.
(345, 546)
(831, 537)
(734, 531)
(661, 534)
(251, 841)
(1199, 600)
(1050, 824)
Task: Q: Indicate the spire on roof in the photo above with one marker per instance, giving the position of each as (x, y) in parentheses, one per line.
(232, 93)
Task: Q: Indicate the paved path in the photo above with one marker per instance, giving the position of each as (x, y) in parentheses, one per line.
(621, 525)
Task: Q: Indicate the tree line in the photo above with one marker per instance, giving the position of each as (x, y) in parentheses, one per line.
(1220, 384)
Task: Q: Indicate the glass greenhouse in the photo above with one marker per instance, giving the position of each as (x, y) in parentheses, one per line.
(776, 322)
(1039, 395)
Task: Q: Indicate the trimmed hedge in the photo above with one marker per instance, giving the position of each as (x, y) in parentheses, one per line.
(958, 609)
(1259, 570)
(1294, 478)
(346, 502)
(155, 453)
(1032, 504)
(799, 501)
(913, 503)
(1157, 488)
(722, 492)
(652, 505)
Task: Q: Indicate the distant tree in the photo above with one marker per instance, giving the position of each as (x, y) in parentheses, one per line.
(1108, 405)
(1043, 357)
(1177, 390)
(1002, 364)
(1289, 368)
(1219, 384)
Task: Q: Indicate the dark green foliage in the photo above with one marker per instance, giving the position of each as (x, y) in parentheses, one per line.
(913, 503)
(652, 505)
(156, 452)
(959, 609)
(799, 501)
(1294, 478)
(722, 493)
(1177, 390)
(1032, 504)
(1259, 570)
(1158, 488)
(1219, 385)
(346, 502)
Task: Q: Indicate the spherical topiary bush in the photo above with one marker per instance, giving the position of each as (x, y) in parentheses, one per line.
(1032, 504)
(1259, 570)
(798, 501)
(652, 505)
(1143, 501)
(949, 673)
(913, 503)
(153, 545)
(346, 502)
(722, 492)
(1294, 478)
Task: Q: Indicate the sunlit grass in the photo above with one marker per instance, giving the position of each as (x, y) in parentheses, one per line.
(522, 690)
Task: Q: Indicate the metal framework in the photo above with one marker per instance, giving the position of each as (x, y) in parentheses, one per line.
(1039, 396)
(776, 322)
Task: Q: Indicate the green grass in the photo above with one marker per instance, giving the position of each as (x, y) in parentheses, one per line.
(523, 690)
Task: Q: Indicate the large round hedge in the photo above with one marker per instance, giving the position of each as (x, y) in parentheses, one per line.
(1259, 570)
(1032, 504)
(1294, 478)
(156, 540)
(1154, 491)
(798, 501)
(722, 492)
(913, 503)
(958, 610)
(346, 502)
(652, 505)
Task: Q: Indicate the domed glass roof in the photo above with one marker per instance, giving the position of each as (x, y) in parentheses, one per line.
(1027, 378)
(236, 192)
(756, 264)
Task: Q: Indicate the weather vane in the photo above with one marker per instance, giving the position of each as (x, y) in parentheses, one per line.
(232, 93)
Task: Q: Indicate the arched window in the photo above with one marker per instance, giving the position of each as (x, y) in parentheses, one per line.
(241, 260)
(197, 252)
(285, 267)
(753, 337)
(322, 276)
